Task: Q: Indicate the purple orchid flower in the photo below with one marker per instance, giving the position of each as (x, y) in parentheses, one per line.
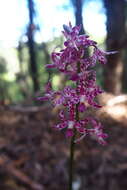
(72, 62)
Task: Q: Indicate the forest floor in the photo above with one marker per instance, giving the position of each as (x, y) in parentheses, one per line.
(33, 156)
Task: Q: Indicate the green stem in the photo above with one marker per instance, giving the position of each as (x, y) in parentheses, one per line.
(72, 145)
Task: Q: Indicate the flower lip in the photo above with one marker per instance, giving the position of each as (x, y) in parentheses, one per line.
(82, 99)
(70, 124)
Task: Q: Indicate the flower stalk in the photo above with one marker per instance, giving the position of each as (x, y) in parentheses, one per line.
(71, 164)
(72, 145)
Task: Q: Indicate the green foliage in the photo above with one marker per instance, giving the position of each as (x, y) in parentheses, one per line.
(3, 64)
(14, 93)
(19, 87)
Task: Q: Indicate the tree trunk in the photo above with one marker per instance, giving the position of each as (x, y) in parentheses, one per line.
(78, 15)
(31, 44)
(115, 11)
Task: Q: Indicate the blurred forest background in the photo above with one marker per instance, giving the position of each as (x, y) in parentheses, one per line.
(29, 34)
(32, 155)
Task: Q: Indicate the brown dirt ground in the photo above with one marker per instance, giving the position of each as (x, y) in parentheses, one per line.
(35, 157)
